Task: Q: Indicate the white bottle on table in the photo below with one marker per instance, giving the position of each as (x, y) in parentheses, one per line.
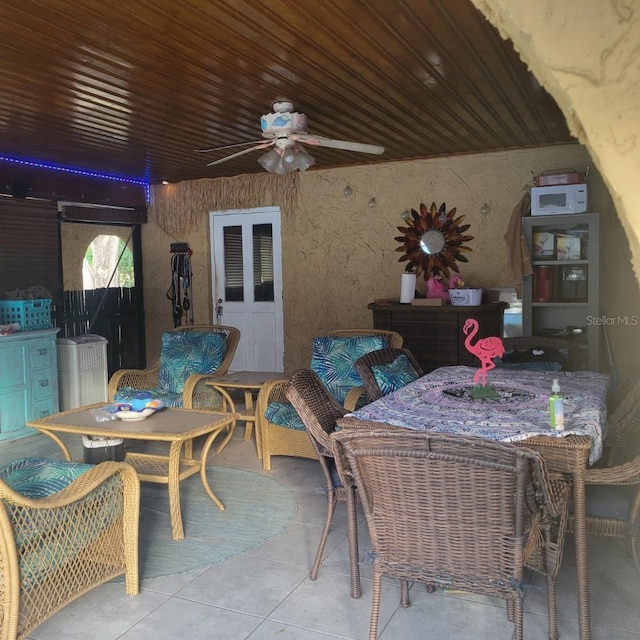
(556, 409)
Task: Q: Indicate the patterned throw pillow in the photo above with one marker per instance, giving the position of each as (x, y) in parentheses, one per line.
(333, 359)
(394, 375)
(185, 353)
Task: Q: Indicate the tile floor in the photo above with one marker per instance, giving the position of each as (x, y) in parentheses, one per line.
(266, 593)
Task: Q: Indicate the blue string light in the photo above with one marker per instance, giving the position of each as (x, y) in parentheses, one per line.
(80, 172)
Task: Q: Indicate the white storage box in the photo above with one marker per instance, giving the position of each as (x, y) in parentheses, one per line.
(465, 297)
(82, 371)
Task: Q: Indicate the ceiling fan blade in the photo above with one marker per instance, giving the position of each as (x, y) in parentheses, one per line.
(229, 146)
(337, 144)
(264, 145)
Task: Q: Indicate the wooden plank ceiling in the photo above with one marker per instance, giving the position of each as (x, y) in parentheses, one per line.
(133, 87)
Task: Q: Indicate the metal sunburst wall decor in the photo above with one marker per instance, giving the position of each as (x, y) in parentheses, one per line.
(433, 241)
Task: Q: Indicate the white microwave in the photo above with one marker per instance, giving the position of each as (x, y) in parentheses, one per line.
(559, 198)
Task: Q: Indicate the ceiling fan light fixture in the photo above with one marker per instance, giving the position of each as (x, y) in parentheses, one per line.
(270, 160)
(291, 158)
(286, 160)
(305, 158)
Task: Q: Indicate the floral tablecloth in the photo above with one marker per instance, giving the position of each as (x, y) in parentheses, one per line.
(442, 401)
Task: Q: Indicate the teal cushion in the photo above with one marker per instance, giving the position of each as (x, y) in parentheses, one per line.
(394, 375)
(333, 360)
(284, 415)
(41, 477)
(185, 353)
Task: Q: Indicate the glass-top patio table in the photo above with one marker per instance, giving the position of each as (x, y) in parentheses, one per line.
(442, 401)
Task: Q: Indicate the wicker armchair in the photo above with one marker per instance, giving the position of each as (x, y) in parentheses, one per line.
(385, 357)
(191, 355)
(457, 512)
(568, 348)
(278, 440)
(55, 548)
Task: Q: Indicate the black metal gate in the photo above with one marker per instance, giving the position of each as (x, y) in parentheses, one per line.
(116, 314)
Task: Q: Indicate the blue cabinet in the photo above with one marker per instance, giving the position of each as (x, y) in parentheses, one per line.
(28, 380)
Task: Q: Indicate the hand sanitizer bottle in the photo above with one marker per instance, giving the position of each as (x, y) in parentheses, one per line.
(556, 410)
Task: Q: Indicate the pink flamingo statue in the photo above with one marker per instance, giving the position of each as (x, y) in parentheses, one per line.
(436, 288)
(486, 349)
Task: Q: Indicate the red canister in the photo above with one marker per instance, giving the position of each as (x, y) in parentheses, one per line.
(542, 284)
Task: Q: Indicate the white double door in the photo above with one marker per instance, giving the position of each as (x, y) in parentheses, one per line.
(246, 272)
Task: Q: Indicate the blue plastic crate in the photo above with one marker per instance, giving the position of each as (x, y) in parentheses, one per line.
(31, 314)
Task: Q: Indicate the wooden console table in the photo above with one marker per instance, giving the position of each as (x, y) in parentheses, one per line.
(434, 334)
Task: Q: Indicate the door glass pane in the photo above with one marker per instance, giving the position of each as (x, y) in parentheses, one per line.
(262, 263)
(233, 271)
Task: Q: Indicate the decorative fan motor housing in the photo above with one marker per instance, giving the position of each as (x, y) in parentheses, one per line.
(279, 124)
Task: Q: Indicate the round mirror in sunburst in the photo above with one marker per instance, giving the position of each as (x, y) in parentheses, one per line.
(433, 241)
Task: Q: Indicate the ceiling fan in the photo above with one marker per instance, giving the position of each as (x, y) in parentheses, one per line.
(285, 129)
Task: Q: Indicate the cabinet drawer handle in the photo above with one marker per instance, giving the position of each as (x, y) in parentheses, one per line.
(45, 413)
(44, 383)
(43, 352)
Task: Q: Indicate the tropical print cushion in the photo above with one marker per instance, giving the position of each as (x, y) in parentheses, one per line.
(394, 375)
(41, 477)
(284, 415)
(333, 360)
(185, 353)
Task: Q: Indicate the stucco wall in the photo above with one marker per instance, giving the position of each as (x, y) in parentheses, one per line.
(339, 254)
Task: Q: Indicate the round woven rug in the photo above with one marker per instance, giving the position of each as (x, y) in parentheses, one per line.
(257, 509)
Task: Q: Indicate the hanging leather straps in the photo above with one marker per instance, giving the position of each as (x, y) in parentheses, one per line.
(179, 292)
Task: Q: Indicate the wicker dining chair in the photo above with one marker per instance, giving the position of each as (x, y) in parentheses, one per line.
(620, 422)
(460, 512)
(555, 351)
(319, 412)
(386, 370)
(612, 489)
